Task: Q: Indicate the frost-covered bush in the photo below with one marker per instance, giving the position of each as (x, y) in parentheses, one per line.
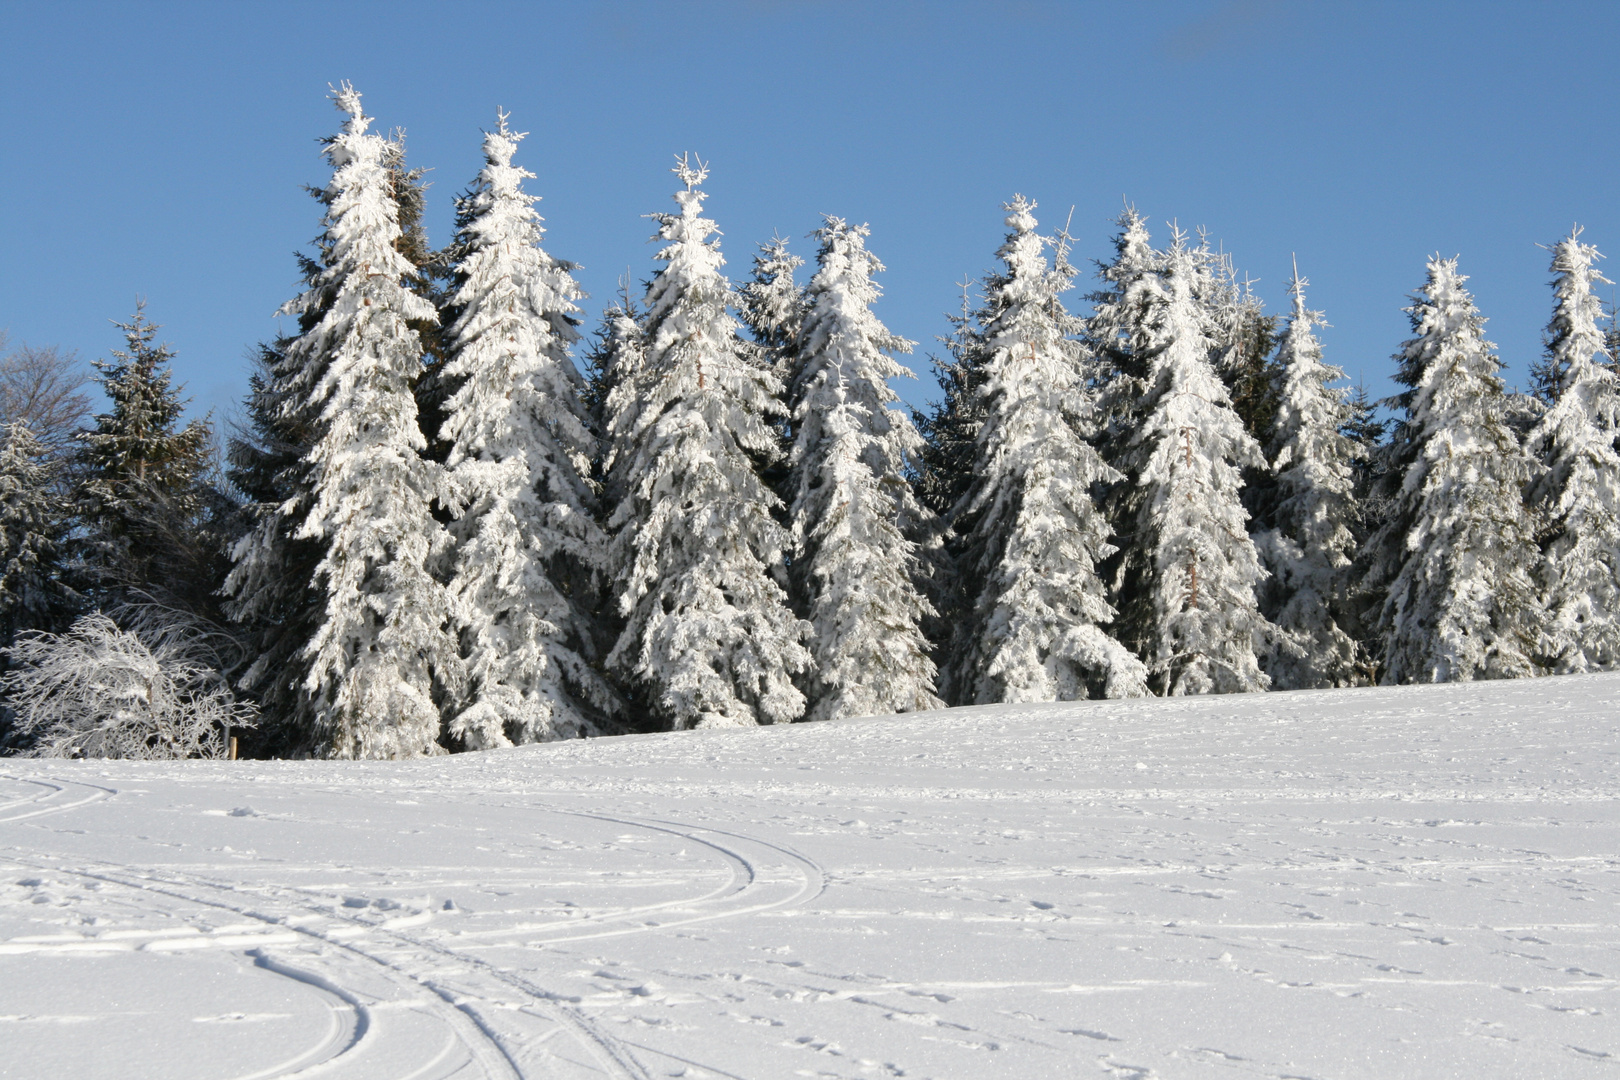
(101, 691)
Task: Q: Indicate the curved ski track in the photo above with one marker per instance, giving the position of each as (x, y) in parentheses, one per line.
(370, 971)
(60, 795)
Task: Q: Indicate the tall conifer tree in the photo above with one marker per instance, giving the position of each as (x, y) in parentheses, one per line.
(273, 597)
(1189, 571)
(942, 473)
(852, 564)
(1456, 552)
(709, 638)
(1114, 334)
(1029, 535)
(34, 520)
(1242, 336)
(951, 425)
(528, 549)
(773, 306)
(271, 586)
(1579, 493)
(613, 365)
(1309, 545)
(140, 472)
(362, 490)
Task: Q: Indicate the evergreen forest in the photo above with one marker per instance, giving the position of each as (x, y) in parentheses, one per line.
(454, 517)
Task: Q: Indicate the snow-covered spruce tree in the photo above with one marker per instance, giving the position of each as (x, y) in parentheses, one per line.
(1456, 553)
(1366, 431)
(1115, 335)
(271, 591)
(941, 474)
(950, 427)
(708, 638)
(1116, 338)
(615, 360)
(429, 274)
(1243, 337)
(1028, 535)
(1308, 546)
(277, 606)
(852, 565)
(364, 491)
(34, 519)
(139, 472)
(1189, 570)
(1579, 494)
(527, 545)
(773, 306)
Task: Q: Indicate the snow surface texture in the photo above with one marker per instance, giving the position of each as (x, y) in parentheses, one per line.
(1380, 883)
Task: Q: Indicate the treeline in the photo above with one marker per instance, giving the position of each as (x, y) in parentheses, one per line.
(436, 532)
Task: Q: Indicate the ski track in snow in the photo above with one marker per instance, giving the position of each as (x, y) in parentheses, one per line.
(1414, 882)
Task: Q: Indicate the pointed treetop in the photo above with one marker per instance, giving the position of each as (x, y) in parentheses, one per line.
(1296, 289)
(1572, 342)
(1178, 237)
(347, 99)
(774, 259)
(1575, 230)
(692, 172)
(689, 175)
(1571, 256)
(835, 228)
(501, 144)
(1445, 302)
(1444, 271)
(1018, 214)
(1133, 248)
(1063, 239)
(966, 285)
(138, 330)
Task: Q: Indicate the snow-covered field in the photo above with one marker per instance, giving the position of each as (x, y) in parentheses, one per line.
(1374, 883)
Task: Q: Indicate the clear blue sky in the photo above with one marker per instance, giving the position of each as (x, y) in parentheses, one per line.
(160, 149)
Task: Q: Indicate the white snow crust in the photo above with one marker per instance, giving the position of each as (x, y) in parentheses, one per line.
(1379, 883)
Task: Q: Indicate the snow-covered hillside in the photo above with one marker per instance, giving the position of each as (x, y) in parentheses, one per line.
(1415, 882)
